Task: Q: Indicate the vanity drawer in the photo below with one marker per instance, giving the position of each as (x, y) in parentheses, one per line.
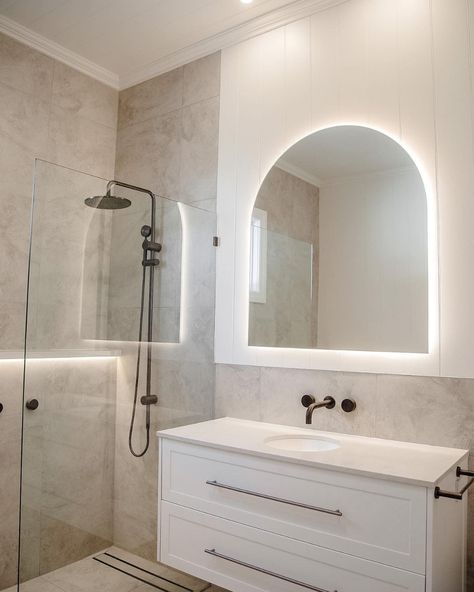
(376, 520)
(214, 549)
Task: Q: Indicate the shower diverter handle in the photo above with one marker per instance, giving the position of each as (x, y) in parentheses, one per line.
(149, 400)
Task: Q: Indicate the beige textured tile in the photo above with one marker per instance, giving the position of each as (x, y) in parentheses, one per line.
(62, 543)
(161, 570)
(202, 79)
(281, 392)
(237, 392)
(24, 134)
(81, 144)
(152, 98)
(133, 534)
(200, 132)
(426, 410)
(11, 387)
(30, 542)
(9, 506)
(14, 231)
(90, 576)
(148, 154)
(81, 95)
(12, 325)
(38, 584)
(25, 69)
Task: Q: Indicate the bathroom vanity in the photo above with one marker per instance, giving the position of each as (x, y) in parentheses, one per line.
(256, 507)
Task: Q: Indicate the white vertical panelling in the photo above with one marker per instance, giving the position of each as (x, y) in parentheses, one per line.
(298, 80)
(365, 60)
(352, 63)
(455, 177)
(417, 122)
(383, 66)
(325, 89)
(414, 56)
(226, 186)
(272, 105)
(248, 144)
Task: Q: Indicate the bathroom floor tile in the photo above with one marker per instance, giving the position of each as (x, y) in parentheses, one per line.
(88, 575)
(159, 569)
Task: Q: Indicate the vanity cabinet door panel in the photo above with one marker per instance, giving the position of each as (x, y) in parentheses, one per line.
(214, 549)
(369, 518)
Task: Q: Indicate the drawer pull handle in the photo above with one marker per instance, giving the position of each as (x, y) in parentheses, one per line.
(275, 499)
(214, 553)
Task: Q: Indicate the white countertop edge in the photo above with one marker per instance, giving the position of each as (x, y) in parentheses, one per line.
(458, 455)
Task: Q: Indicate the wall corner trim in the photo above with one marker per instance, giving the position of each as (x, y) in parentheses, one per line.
(296, 10)
(58, 52)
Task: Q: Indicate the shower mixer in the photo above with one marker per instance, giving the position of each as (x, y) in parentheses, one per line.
(149, 262)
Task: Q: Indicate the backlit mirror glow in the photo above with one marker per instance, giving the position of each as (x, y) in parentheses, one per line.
(339, 247)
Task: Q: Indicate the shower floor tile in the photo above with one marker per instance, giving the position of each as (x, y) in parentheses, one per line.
(89, 575)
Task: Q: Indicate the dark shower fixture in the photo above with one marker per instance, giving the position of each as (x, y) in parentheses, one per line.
(108, 202)
(149, 262)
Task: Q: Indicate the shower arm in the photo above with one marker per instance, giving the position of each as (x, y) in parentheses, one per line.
(110, 186)
(114, 183)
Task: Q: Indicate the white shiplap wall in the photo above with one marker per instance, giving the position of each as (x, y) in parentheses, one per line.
(403, 67)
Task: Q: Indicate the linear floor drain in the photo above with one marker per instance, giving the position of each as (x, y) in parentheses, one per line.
(160, 582)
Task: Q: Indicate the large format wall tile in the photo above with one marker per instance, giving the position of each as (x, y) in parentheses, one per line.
(200, 132)
(24, 121)
(202, 79)
(80, 95)
(435, 411)
(281, 393)
(10, 422)
(274, 395)
(81, 144)
(25, 69)
(406, 408)
(237, 392)
(148, 154)
(152, 98)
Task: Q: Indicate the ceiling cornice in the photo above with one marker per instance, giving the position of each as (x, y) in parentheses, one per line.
(56, 51)
(279, 17)
(296, 171)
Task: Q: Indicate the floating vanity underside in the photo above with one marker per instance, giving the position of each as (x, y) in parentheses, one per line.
(362, 516)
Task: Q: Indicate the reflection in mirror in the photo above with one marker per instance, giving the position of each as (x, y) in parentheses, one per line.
(339, 247)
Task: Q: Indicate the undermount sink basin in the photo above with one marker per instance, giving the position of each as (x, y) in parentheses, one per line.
(301, 443)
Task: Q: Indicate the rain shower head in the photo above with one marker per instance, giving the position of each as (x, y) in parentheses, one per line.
(107, 202)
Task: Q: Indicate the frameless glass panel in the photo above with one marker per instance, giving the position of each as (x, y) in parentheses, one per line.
(82, 488)
(69, 405)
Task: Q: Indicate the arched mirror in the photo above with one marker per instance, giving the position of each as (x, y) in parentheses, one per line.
(339, 247)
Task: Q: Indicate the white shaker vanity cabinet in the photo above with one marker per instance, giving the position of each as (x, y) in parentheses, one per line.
(256, 507)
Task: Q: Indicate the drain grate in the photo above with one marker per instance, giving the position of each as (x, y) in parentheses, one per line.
(160, 582)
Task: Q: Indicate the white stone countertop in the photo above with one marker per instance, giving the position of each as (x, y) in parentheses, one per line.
(418, 464)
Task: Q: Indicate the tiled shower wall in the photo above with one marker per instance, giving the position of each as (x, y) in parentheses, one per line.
(167, 141)
(50, 111)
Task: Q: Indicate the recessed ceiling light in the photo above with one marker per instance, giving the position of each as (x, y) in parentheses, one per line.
(246, 1)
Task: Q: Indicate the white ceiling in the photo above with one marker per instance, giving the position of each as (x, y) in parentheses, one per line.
(127, 36)
(343, 151)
